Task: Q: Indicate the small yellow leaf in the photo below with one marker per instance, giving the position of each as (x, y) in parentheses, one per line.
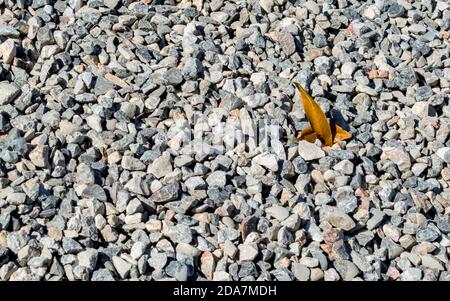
(308, 134)
(320, 127)
(339, 134)
(315, 116)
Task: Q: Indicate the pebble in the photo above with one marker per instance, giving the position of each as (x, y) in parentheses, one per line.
(195, 183)
(278, 212)
(161, 166)
(88, 258)
(309, 151)
(346, 269)
(267, 160)
(397, 154)
(158, 261)
(208, 265)
(39, 156)
(286, 41)
(247, 252)
(9, 92)
(102, 275)
(166, 194)
(427, 234)
(180, 234)
(122, 267)
(8, 51)
(300, 271)
(340, 220)
(444, 154)
(217, 178)
(152, 142)
(177, 270)
(396, 10)
(411, 274)
(138, 249)
(131, 163)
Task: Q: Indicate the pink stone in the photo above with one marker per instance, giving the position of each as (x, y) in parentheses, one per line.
(398, 155)
(207, 264)
(8, 51)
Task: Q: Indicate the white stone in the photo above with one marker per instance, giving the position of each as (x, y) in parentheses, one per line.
(266, 5)
(371, 12)
(267, 160)
(309, 151)
(122, 267)
(94, 122)
(88, 258)
(138, 249)
(423, 109)
(247, 252)
(278, 212)
(444, 154)
(348, 68)
(221, 276)
(161, 166)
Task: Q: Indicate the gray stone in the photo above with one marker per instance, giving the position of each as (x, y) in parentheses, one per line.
(138, 249)
(102, 275)
(227, 234)
(444, 154)
(158, 261)
(217, 178)
(396, 10)
(268, 161)
(444, 224)
(131, 163)
(161, 166)
(340, 219)
(180, 234)
(177, 270)
(9, 92)
(346, 269)
(174, 76)
(16, 241)
(195, 183)
(94, 191)
(16, 198)
(427, 234)
(166, 194)
(102, 86)
(376, 219)
(8, 31)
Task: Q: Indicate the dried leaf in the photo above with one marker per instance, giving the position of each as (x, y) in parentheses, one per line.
(308, 134)
(316, 117)
(320, 127)
(339, 134)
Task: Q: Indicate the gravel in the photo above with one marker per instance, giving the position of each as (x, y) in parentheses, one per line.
(144, 140)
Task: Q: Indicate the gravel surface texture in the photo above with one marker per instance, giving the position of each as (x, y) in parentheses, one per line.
(151, 140)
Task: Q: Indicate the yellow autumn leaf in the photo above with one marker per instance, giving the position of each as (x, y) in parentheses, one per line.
(308, 134)
(339, 134)
(320, 127)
